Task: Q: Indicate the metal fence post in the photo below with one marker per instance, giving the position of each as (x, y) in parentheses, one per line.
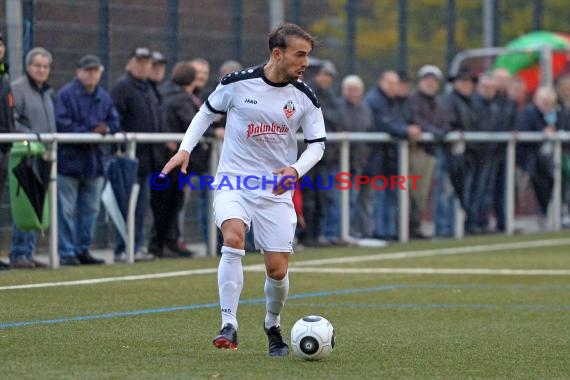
(53, 243)
(556, 202)
(345, 195)
(131, 211)
(212, 228)
(510, 163)
(403, 195)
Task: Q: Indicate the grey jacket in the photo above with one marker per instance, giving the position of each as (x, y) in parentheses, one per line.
(33, 107)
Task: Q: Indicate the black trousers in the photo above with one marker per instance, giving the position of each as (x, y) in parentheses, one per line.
(165, 205)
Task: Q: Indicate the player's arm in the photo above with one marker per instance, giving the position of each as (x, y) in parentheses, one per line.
(197, 127)
(315, 137)
(216, 105)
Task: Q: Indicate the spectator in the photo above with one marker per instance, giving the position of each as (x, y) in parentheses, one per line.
(157, 74)
(430, 114)
(138, 109)
(6, 122)
(202, 67)
(404, 86)
(200, 158)
(33, 112)
(536, 159)
(177, 111)
(517, 92)
(450, 169)
(329, 233)
(507, 121)
(82, 106)
(480, 158)
(387, 116)
(563, 121)
(228, 67)
(357, 117)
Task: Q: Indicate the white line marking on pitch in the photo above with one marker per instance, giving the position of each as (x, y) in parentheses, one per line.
(104, 280)
(451, 271)
(295, 265)
(436, 252)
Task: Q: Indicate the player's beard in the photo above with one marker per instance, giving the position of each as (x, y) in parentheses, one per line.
(287, 75)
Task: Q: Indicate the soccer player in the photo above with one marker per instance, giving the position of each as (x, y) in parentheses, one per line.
(258, 167)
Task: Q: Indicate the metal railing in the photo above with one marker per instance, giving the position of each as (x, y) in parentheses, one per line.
(344, 139)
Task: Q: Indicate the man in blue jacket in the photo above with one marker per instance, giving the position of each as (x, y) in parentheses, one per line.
(394, 117)
(82, 106)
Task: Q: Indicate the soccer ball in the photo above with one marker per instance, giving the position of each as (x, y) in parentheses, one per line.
(312, 338)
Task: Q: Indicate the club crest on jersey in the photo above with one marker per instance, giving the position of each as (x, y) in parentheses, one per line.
(289, 109)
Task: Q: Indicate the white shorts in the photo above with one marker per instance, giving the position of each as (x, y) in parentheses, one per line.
(272, 221)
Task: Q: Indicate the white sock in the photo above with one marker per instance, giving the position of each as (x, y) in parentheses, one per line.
(276, 292)
(230, 283)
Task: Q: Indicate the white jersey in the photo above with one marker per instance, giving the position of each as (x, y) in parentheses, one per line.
(262, 121)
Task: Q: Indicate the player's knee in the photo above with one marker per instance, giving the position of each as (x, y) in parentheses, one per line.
(277, 272)
(234, 240)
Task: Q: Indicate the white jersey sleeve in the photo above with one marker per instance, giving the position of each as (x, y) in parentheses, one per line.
(314, 133)
(313, 126)
(217, 104)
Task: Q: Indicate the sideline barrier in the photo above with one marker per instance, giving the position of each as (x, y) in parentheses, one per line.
(51, 140)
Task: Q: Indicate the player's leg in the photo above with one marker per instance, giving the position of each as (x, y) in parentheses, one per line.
(276, 285)
(232, 219)
(274, 228)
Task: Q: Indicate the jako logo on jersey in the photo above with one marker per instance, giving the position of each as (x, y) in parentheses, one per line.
(289, 109)
(251, 101)
(266, 129)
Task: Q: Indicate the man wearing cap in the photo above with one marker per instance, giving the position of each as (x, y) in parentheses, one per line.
(428, 113)
(157, 74)
(138, 109)
(451, 166)
(82, 106)
(6, 121)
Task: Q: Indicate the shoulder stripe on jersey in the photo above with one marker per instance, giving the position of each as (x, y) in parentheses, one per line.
(305, 89)
(250, 73)
(322, 139)
(213, 109)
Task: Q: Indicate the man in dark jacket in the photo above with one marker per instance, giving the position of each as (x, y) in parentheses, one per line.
(536, 159)
(450, 166)
(479, 158)
(176, 113)
(507, 121)
(138, 110)
(6, 121)
(387, 116)
(430, 114)
(82, 106)
(325, 201)
(563, 123)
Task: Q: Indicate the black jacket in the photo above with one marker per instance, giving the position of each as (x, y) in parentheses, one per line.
(487, 112)
(6, 111)
(138, 108)
(430, 114)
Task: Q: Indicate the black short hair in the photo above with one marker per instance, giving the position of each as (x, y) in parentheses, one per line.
(278, 36)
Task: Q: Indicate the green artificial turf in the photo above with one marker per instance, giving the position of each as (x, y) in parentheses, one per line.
(388, 326)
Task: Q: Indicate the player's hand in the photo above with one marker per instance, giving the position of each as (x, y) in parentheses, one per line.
(287, 183)
(181, 158)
